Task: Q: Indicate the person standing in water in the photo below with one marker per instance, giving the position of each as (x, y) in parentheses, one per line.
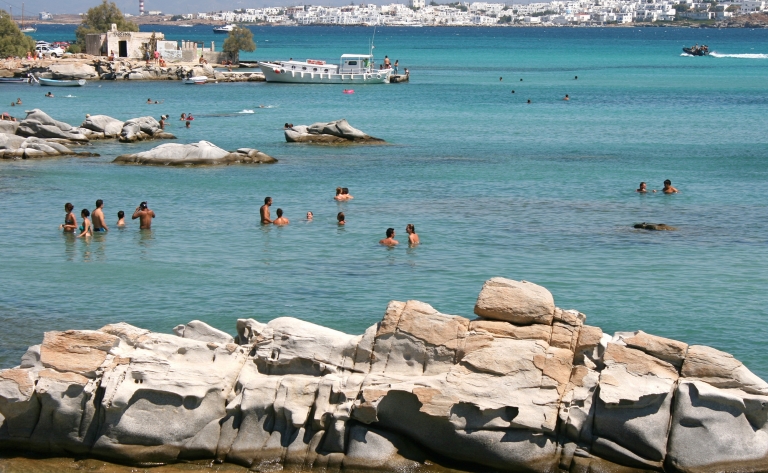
(70, 222)
(413, 238)
(120, 218)
(338, 194)
(390, 239)
(668, 189)
(280, 220)
(99, 225)
(345, 194)
(340, 218)
(145, 216)
(264, 211)
(86, 228)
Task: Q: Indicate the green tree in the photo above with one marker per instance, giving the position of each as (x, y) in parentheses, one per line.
(239, 39)
(99, 19)
(680, 7)
(12, 41)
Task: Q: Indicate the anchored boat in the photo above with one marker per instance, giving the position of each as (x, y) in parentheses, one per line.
(62, 83)
(196, 80)
(352, 69)
(226, 29)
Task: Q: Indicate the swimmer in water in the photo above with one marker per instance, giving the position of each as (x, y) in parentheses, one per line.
(566, 97)
(70, 222)
(390, 239)
(120, 218)
(280, 220)
(340, 218)
(86, 227)
(264, 211)
(310, 216)
(668, 189)
(338, 194)
(49, 95)
(345, 194)
(413, 238)
(183, 117)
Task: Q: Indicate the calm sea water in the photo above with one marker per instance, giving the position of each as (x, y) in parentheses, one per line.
(495, 186)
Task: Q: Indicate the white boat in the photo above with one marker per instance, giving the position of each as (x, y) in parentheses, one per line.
(196, 80)
(224, 29)
(62, 83)
(185, 26)
(353, 69)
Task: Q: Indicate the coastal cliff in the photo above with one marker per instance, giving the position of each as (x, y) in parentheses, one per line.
(526, 387)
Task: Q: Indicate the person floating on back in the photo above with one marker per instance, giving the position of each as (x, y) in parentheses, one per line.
(390, 240)
(668, 189)
(264, 211)
(413, 238)
(280, 220)
(145, 216)
(99, 223)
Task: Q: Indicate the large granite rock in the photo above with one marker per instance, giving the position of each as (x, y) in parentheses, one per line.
(544, 393)
(202, 153)
(19, 147)
(335, 132)
(72, 71)
(143, 128)
(38, 124)
(102, 126)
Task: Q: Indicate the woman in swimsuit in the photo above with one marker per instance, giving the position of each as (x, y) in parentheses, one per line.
(86, 228)
(70, 222)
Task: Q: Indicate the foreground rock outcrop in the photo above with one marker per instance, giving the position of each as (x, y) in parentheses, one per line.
(202, 153)
(335, 132)
(528, 387)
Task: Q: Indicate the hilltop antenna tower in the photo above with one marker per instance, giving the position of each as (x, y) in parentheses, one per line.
(141, 7)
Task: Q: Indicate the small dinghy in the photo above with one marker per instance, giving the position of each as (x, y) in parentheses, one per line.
(14, 80)
(197, 80)
(62, 83)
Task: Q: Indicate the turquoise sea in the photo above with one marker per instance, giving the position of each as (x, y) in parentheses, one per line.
(495, 187)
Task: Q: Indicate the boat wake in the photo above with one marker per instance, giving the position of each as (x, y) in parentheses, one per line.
(245, 111)
(741, 56)
(70, 96)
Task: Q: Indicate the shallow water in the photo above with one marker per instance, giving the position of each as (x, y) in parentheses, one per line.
(495, 186)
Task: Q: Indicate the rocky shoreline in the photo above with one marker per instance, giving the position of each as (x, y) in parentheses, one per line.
(82, 66)
(525, 387)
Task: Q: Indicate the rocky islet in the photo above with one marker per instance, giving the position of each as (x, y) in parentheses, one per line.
(525, 387)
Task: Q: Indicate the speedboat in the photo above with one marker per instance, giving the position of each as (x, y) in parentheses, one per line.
(196, 80)
(697, 50)
(352, 69)
(62, 83)
(224, 29)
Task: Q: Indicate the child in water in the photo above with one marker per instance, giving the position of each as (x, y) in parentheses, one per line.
(120, 218)
(85, 228)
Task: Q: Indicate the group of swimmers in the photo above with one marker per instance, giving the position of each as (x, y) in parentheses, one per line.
(342, 193)
(97, 221)
(668, 189)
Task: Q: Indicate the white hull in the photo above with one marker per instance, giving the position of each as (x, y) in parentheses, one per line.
(62, 83)
(197, 80)
(309, 77)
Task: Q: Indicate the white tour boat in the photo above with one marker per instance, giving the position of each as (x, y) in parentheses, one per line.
(224, 29)
(353, 69)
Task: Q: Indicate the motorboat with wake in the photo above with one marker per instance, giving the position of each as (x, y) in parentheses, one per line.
(352, 69)
(226, 29)
(697, 50)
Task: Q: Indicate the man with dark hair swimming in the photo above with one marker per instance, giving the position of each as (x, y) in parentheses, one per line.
(390, 240)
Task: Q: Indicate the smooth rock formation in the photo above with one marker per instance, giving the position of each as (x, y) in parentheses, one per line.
(102, 126)
(143, 128)
(542, 393)
(67, 71)
(38, 124)
(19, 147)
(202, 153)
(335, 132)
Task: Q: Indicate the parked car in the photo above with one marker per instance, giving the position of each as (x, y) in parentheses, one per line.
(49, 51)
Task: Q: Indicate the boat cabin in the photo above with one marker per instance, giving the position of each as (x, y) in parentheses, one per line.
(355, 63)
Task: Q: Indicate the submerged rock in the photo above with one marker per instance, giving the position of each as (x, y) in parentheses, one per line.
(541, 393)
(654, 226)
(202, 153)
(335, 132)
